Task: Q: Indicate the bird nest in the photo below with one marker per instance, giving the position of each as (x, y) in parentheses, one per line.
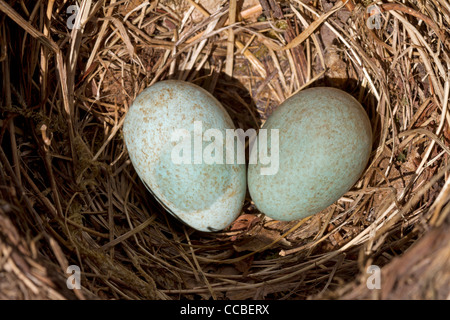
(71, 200)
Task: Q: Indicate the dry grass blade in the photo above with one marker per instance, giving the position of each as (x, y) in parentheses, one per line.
(311, 28)
(230, 46)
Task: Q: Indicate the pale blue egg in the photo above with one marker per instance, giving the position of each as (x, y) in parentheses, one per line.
(325, 140)
(206, 196)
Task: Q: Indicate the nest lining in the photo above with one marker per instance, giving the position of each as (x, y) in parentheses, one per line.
(71, 196)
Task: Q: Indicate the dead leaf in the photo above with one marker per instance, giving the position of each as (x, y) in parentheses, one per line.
(260, 240)
(244, 222)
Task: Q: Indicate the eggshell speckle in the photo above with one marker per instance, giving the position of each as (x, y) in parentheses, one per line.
(207, 197)
(325, 140)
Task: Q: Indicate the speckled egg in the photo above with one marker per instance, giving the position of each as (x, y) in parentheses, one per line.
(324, 143)
(172, 132)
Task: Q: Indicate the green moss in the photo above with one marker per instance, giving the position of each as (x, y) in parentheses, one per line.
(261, 52)
(281, 24)
(86, 170)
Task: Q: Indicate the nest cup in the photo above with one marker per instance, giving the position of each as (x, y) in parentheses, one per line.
(72, 204)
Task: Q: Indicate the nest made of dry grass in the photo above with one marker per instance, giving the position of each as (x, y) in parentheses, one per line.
(70, 196)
